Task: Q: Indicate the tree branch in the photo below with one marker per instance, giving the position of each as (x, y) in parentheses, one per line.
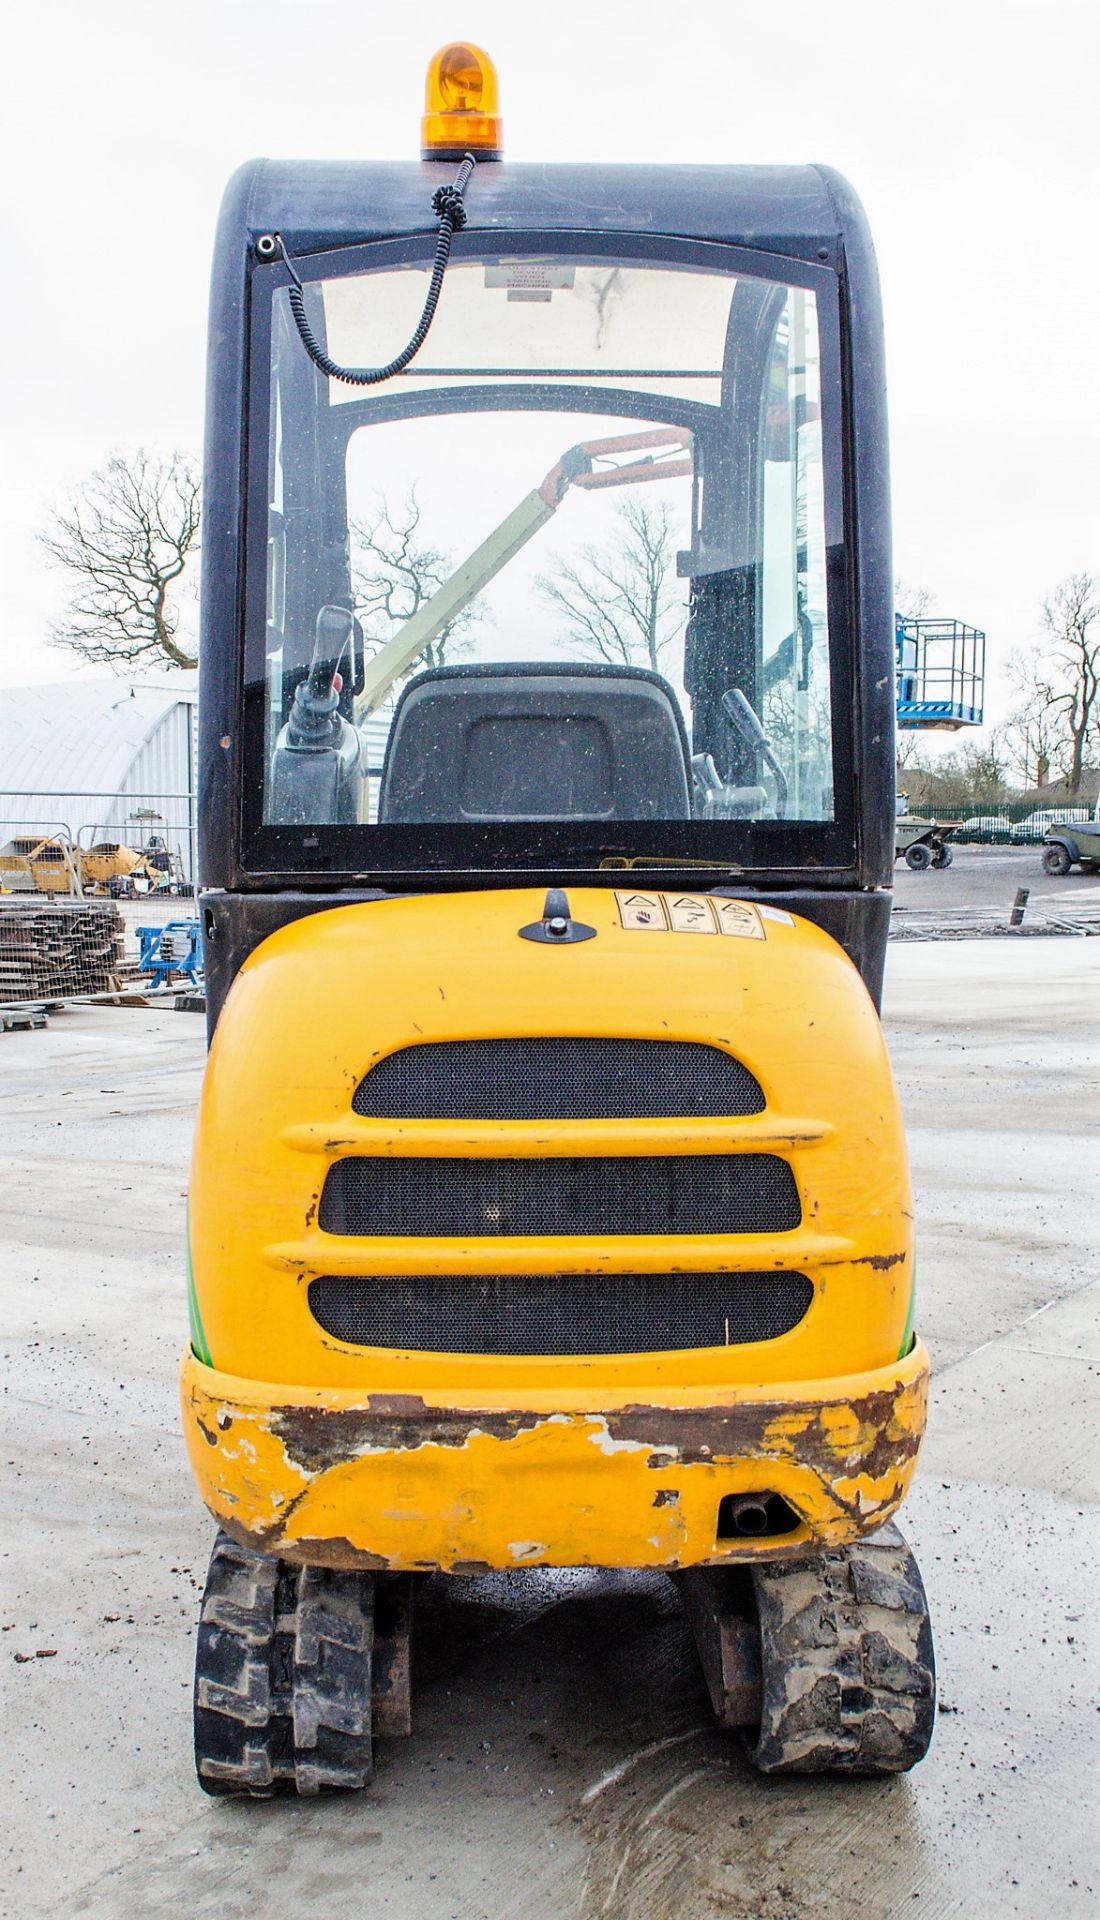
(126, 538)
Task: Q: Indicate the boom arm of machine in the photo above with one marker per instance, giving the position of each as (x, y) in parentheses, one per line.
(579, 467)
(317, 760)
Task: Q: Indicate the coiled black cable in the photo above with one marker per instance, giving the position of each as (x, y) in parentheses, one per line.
(447, 203)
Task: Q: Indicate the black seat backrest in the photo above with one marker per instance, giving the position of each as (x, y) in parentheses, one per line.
(514, 742)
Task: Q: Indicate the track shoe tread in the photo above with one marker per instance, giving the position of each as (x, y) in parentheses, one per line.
(282, 1676)
(848, 1666)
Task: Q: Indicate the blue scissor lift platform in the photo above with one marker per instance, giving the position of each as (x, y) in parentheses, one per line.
(940, 673)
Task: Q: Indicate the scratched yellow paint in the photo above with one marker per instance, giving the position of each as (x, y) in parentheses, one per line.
(323, 1000)
(566, 1490)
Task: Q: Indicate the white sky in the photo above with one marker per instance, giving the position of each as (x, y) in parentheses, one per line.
(969, 129)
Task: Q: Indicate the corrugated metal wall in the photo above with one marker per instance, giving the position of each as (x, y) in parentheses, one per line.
(160, 780)
(100, 761)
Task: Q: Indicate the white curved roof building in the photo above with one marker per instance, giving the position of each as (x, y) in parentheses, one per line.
(101, 760)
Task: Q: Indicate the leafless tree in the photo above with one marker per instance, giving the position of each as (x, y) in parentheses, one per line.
(126, 538)
(968, 777)
(620, 602)
(1056, 721)
(983, 764)
(1071, 653)
(912, 602)
(1033, 737)
(394, 572)
(911, 752)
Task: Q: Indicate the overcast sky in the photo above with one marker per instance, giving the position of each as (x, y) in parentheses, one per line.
(970, 131)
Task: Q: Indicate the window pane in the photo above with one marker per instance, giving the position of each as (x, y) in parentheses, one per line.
(570, 567)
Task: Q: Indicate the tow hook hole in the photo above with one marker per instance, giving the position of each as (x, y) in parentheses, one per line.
(759, 1516)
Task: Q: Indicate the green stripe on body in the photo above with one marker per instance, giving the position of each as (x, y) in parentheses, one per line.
(198, 1338)
(909, 1336)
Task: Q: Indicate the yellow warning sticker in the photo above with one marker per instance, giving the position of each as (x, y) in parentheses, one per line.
(644, 912)
(689, 913)
(739, 918)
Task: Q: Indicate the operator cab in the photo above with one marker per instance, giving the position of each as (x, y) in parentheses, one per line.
(599, 579)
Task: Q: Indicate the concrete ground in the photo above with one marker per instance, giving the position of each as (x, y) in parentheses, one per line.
(563, 1762)
(980, 886)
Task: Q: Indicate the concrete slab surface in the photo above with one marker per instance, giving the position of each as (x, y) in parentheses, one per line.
(563, 1761)
(977, 892)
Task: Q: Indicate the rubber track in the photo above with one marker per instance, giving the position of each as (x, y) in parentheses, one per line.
(282, 1675)
(848, 1667)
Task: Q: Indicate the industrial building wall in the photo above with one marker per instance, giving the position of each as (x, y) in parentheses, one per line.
(160, 781)
(100, 760)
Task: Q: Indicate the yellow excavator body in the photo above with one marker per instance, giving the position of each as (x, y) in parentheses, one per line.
(333, 1451)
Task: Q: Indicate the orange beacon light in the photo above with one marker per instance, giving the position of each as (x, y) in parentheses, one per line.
(460, 106)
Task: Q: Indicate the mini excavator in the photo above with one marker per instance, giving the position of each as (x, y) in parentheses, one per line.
(550, 1204)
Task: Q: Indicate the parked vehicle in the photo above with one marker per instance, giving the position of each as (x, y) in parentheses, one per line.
(1034, 827)
(923, 843)
(1076, 844)
(989, 829)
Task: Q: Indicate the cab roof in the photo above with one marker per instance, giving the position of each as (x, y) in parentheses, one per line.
(800, 212)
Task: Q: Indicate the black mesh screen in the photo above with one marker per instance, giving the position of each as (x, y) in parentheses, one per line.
(558, 1313)
(557, 1079)
(686, 1193)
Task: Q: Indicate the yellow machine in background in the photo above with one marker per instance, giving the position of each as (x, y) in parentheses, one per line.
(550, 1204)
(36, 863)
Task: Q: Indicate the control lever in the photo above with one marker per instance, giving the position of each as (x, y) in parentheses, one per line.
(745, 720)
(315, 764)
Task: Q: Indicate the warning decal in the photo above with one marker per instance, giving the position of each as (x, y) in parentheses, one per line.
(689, 912)
(642, 911)
(740, 918)
(692, 913)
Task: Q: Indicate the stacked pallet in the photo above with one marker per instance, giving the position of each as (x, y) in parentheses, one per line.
(52, 949)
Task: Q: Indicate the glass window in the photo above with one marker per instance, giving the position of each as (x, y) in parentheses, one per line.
(568, 572)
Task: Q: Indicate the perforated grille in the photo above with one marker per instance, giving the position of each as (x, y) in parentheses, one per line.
(559, 1313)
(689, 1193)
(557, 1079)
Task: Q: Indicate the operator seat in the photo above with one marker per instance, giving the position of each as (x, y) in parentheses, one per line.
(518, 742)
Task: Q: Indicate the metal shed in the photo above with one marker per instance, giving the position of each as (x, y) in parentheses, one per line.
(101, 760)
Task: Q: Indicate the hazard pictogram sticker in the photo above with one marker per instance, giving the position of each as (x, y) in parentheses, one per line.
(690, 913)
(643, 912)
(739, 918)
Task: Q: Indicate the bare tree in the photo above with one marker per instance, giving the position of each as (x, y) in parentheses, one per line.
(126, 538)
(911, 754)
(1032, 737)
(912, 602)
(619, 603)
(394, 572)
(1071, 619)
(1057, 719)
(983, 765)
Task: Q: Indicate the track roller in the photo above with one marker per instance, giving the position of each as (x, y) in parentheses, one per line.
(283, 1673)
(839, 1674)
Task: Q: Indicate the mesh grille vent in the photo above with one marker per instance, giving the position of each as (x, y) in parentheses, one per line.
(558, 1079)
(688, 1193)
(558, 1313)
